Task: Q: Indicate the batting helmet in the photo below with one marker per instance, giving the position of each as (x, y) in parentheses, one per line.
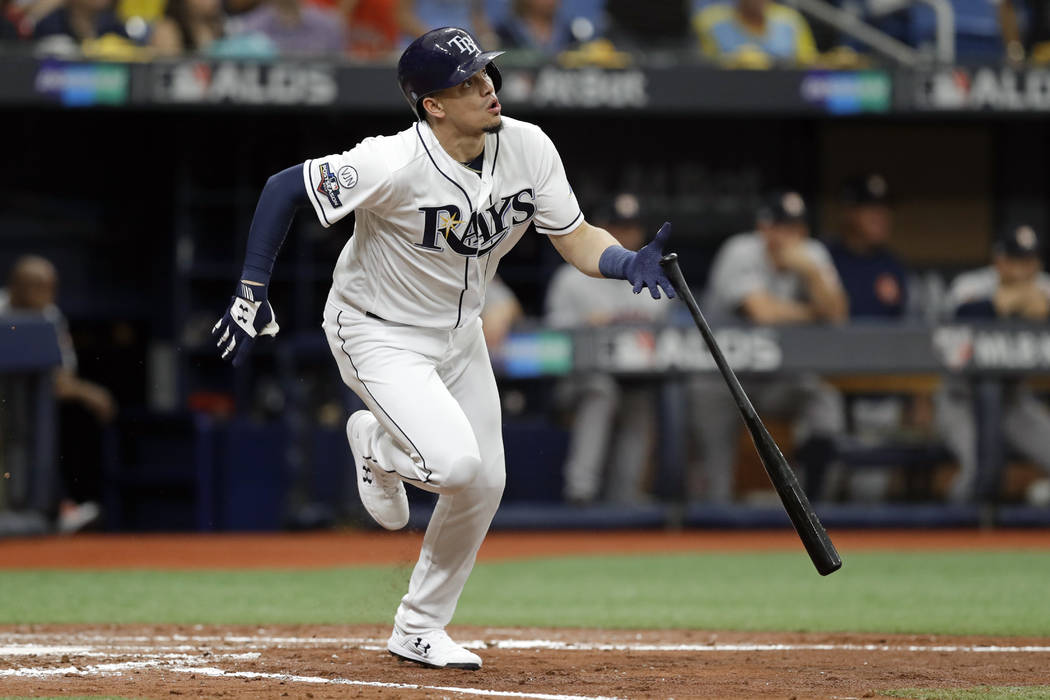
(440, 59)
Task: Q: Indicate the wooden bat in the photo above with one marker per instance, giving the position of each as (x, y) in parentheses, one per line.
(813, 535)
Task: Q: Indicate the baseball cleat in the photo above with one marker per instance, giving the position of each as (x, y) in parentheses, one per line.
(382, 493)
(434, 649)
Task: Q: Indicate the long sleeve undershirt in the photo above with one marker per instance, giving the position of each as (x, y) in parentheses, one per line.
(283, 195)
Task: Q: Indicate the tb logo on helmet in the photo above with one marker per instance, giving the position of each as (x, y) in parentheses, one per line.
(465, 44)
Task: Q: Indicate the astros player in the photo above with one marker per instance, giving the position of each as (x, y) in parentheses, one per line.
(437, 205)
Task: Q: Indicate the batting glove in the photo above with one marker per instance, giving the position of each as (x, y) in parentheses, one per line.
(249, 316)
(641, 269)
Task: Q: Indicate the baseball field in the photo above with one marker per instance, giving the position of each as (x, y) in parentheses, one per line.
(952, 614)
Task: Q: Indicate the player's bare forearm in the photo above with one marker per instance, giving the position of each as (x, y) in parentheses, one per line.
(764, 308)
(1035, 306)
(827, 298)
(583, 247)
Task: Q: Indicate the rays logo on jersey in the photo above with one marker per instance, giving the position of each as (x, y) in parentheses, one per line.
(482, 231)
(329, 185)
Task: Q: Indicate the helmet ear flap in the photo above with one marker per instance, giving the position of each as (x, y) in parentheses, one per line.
(493, 71)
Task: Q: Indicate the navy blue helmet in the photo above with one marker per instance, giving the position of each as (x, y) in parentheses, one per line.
(440, 59)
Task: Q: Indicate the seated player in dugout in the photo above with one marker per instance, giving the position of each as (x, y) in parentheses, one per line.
(1015, 288)
(613, 419)
(774, 275)
(437, 205)
(85, 406)
(876, 285)
(875, 281)
(754, 34)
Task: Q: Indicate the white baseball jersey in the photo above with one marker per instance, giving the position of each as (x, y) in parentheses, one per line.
(743, 266)
(429, 232)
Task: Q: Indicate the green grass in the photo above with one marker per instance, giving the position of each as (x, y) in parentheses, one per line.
(994, 593)
(982, 692)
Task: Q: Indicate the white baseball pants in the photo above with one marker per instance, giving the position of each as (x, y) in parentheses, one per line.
(434, 395)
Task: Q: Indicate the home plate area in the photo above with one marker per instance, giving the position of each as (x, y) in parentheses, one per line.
(560, 664)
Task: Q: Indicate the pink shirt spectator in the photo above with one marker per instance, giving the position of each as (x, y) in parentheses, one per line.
(295, 28)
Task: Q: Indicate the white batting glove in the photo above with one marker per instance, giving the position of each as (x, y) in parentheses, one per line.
(249, 316)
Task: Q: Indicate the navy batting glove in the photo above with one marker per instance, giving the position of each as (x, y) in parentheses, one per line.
(641, 269)
(249, 316)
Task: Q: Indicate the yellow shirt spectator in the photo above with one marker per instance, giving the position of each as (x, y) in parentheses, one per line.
(754, 33)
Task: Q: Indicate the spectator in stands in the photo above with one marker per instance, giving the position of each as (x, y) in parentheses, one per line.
(9, 30)
(754, 34)
(420, 16)
(32, 288)
(376, 28)
(642, 26)
(200, 26)
(373, 28)
(80, 21)
(613, 419)
(188, 26)
(774, 275)
(1013, 288)
(1037, 40)
(295, 28)
(875, 281)
(536, 26)
(1034, 43)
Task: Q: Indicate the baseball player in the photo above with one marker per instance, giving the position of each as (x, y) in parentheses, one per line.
(1014, 288)
(774, 275)
(437, 205)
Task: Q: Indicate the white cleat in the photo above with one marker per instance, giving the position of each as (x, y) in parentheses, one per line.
(382, 493)
(433, 648)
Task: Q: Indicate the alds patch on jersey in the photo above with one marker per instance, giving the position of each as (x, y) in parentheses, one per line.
(329, 184)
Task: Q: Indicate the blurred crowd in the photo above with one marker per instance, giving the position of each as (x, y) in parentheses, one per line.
(734, 33)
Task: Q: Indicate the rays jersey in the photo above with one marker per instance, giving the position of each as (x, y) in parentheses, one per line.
(429, 231)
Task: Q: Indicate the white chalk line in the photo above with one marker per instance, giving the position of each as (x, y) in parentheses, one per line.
(914, 648)
(133, 651)
(118, 669)
(217, 672)
(378, 644)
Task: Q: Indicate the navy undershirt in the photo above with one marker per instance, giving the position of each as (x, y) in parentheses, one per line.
(476, 164)
(282, 196)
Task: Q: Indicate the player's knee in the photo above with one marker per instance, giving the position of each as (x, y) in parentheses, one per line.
(461, 472)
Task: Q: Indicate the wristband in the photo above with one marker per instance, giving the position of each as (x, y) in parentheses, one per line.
(613, 262)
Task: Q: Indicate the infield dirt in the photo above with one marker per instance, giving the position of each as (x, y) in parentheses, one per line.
(342, 662)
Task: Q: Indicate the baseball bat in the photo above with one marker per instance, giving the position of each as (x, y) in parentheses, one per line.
(815, 538)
